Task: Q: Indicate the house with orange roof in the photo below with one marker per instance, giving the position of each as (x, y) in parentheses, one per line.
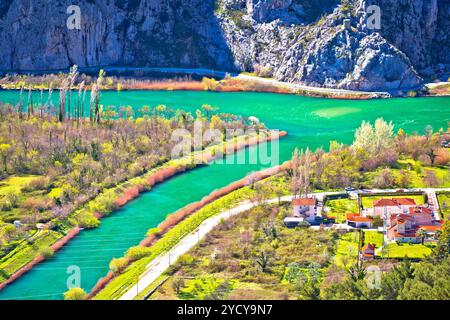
(368, 251)
(387, 207)
(305, 207)
(405, 227)
(422, 216)
(432, 232)
(405, 237)
(357, 221)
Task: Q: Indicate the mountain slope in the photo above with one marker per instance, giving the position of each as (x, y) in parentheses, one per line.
(315, 42)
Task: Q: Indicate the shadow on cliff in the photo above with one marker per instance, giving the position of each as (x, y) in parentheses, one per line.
(209, 48)
(195, 39)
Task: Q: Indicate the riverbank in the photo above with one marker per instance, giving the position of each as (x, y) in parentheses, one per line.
(441, 89)
(175, 227)
(58, 245)
(132, 188)
(178, 79)
(182, 79)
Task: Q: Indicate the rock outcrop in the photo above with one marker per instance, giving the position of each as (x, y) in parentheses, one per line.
(315, 42)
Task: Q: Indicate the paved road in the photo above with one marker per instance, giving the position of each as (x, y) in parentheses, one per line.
(297, 86)
(160, 264)
(157, 267)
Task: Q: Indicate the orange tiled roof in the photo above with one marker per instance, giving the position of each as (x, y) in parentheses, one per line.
(431, 228)
(385, 203)
(350, 216)
(393, 233)
(405, 217)
(360, 219)
(394, 202)
(420, 211)
(304, 202)
(406, 201)
(368, 246)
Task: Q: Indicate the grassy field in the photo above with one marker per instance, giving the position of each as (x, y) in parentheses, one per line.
(15, 184)
(444, 204)
(413, 251)
(373, 237)
(15, 191)
(25, 252)
(347, 250)
(367, 202)
(339, 208)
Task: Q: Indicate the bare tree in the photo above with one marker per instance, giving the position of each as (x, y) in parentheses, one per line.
(295, 164)
(21, 103)
(71, 78)
(307, 171)
(62, 100)
(30, 110)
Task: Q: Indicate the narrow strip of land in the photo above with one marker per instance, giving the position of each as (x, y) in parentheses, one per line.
(221, 74)
(157, 267)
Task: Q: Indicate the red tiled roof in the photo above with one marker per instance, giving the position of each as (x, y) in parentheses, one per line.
(304, 202)
(368, 246)
(420, 211)
(405, 217)
(431, 228)
(406, 201)
(393, 233)
(350, 216)
(394, 202)
(385, 203)
(360, 219)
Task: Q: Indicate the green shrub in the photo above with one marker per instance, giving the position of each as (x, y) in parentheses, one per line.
(75, 294)
(104, 203)
(47, 253)
(118, 265)
(9, 202)
(86, 219)
(154, 232)
(138, 252)
(40, 183)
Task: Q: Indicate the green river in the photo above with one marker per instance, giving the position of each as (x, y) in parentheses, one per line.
(309, 122)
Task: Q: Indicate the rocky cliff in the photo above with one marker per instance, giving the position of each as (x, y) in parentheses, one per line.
(316, 42)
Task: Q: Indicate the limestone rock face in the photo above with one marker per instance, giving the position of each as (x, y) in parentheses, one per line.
(301, 41)
(259, 10)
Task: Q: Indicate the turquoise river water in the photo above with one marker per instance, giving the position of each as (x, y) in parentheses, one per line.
(309, 122)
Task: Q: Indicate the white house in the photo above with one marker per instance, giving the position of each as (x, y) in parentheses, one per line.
(305, 207)
(384, 208)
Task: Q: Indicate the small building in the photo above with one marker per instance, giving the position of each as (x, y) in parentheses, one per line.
(17, 223)
(368, 251)
(356, 221)
(305, 207)
(293, 222)
(41, 226)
